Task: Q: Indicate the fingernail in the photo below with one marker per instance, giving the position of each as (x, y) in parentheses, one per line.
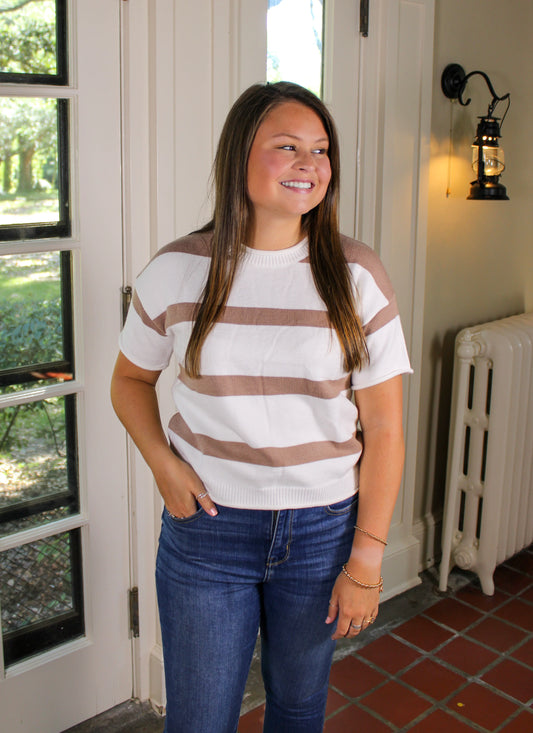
(329, 620)
(213, 512)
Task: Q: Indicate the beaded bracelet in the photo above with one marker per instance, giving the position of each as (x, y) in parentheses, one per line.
(374, 536)
(368, 586)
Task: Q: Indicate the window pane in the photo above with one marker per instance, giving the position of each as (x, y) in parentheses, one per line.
(38, 466)
(32, 40)
(40, 587)
(35, 315)
(33, 171)
(294, 42)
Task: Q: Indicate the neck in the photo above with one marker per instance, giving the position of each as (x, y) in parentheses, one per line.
(275, 235)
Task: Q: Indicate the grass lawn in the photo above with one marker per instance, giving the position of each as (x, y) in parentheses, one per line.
(30, 277)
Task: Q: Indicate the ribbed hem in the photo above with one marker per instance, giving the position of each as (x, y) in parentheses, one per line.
(283, 497)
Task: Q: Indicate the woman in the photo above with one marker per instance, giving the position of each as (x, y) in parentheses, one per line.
(275, 320)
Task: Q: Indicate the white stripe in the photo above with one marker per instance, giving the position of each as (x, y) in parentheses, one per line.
(277, 421)
(313, 353)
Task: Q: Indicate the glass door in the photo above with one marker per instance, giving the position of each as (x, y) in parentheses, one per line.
(63, 563)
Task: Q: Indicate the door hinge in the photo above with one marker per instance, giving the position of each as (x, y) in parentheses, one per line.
(133, 602)
(363, 17)
(126, 293)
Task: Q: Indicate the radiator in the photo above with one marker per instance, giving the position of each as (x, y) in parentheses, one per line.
(488, 512)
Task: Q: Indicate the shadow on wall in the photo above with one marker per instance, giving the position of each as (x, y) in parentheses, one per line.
(442, 355)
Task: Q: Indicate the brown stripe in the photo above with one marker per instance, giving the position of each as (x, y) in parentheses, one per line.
(157, 324)
(192, 244)
(360, 254)
(238, 384)
(384, 316)
(293, 455)
(242, 316)
(179, 313)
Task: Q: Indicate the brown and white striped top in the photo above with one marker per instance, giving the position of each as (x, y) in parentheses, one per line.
(270, 423)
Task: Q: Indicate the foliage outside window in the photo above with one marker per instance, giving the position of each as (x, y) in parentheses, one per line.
(34, 195)
(33, 41)
(34, 165)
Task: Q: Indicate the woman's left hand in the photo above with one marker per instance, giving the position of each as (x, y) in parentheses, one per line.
(354, 607)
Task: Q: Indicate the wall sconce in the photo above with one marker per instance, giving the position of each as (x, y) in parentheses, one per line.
(487, 155)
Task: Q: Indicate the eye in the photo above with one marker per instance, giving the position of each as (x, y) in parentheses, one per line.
(287, 147)
(320, 151)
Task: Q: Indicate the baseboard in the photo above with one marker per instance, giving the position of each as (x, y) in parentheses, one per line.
(400, 566)
(158, 697)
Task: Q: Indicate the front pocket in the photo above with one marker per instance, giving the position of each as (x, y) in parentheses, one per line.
(345, 506)
(184, 520)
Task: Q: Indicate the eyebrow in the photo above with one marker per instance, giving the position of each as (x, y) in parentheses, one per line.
(295, 137)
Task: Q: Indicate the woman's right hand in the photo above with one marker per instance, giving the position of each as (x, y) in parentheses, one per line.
(134, 398)
(181, 488)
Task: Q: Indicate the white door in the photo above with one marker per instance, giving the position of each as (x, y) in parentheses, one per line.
(64, 545)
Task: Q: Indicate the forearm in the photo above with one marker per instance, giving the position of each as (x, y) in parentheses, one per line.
(135, 403)
(380, 473)
(379, 482)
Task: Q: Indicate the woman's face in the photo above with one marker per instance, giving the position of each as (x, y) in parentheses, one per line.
(288, 166)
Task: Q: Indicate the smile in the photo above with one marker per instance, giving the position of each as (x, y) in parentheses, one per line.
(297, 184)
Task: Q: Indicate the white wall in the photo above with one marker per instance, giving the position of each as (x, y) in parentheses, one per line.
(479, 253)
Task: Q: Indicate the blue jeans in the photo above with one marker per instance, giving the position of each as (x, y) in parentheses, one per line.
(219, 581)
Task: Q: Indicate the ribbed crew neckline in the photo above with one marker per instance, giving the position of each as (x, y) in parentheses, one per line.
(277, 257)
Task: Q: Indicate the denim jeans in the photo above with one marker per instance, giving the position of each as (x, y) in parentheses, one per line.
(220, 580)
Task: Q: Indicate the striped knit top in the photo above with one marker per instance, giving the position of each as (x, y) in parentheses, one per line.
(270, 423)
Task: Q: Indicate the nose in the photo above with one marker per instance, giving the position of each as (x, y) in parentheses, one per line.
(304, 161)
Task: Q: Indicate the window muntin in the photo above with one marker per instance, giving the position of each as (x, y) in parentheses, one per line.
(295, 30)
(33, 41)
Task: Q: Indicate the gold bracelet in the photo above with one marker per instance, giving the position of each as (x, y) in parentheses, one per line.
(368, 586)
(374, 536)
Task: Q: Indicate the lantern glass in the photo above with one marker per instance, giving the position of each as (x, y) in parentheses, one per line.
(493, 160)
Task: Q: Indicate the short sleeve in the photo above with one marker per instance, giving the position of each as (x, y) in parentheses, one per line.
(378, 311)
(387, 356)
(144, 339)
(141, 343)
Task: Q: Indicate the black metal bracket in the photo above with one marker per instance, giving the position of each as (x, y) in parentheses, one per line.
(453, 83)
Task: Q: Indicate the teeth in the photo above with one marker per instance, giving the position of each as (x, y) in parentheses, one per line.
(296, 184)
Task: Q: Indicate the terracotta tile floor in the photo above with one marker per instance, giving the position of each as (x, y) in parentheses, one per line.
(463, 664)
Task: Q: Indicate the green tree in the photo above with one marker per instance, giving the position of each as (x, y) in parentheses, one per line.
(27, 126)
(27, 36)
(28, 46)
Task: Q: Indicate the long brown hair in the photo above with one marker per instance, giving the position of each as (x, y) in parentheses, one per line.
(233, 215)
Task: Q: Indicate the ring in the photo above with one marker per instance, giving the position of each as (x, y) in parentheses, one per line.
(371, 620)
(354, 626)
(335, 605)
(202, 495)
